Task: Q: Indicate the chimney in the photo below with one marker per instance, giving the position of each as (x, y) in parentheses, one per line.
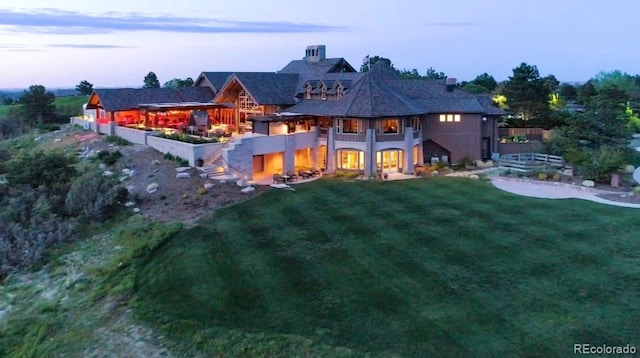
(315, 53)
(450, 83)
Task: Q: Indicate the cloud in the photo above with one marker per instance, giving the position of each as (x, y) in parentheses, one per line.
(53, 21)
(88, 46)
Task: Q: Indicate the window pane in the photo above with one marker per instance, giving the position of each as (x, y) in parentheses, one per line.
(390, 126)
(457, 118)
(349, 126)
(449, 117)
(442, 118)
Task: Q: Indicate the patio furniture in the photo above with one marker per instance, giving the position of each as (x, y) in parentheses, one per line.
(285, 178)
(277, 178)
(292, 175)
(304, 174)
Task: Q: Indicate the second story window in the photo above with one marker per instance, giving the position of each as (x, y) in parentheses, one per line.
(347, 126)
(307, 92)
(323, 91)
(450, 118)
(339, 93)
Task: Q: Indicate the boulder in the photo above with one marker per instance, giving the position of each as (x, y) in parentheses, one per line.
(131, 189)
(435, 173)
(107, 173)
(204, 175)
(123, 179)
(102, 166)
(126, 171)
(57, 140)
(136, 210)
(208, 185)
(589, 183)
(568, 172)
(241, 183)
(247, 190)
(223, 181)
(152, 188)
(129, 204)
(183, 175)
(155, 162)
(182, 169)
(474, 176)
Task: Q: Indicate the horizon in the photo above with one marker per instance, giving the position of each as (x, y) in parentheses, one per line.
(117, 44)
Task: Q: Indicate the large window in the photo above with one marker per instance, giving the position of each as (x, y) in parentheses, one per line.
(347, 126)
(450, 118)
(247, 104)
(350, 159)
(390, 126)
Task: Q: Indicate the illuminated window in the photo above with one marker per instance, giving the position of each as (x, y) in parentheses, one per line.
(450, 118)
(246, 103)
(350, 159)
(307, 91)
(323, 91)
(347, 126)
(389, 126)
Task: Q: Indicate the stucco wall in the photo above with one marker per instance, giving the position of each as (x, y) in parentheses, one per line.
(187, 151)
(136, 136)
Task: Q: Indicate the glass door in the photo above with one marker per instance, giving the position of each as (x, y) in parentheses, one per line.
(389, 161)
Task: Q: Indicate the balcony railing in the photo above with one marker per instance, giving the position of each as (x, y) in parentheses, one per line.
(359, 137)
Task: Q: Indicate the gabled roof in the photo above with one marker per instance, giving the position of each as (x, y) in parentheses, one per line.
(214, 79)
(264, 87)
(120, 99)
(310, 70)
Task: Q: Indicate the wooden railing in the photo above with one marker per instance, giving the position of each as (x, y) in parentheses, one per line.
(531, 161)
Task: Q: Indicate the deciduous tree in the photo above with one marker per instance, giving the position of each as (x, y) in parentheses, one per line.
(178, 82)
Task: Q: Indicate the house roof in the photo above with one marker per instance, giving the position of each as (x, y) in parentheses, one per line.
(369, 97)
(381, 92)
(120, 99)
(214, 79)
(264, 87)
(317, 70)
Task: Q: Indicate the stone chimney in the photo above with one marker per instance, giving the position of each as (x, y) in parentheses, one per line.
(450, 83)
(315, 53)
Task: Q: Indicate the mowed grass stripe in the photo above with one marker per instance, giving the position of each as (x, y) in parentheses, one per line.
(425, 267)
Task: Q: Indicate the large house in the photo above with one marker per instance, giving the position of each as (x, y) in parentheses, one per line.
(316, 112)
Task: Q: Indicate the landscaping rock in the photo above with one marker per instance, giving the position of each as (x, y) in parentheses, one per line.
(107, 173)
(102, 166)
(182, 169)
(241, 183)
(629, 169)
(123, 179)
(183, 175)
(129, 204)
(136, 210)
(208, 185)
(247, 190)
(57, 140)
(152, 188)
(203, 175)
(131, 189)
(155, 162)
(589, 183)
(223, 181)
(568, 172)
(435, 173)
(474, 176)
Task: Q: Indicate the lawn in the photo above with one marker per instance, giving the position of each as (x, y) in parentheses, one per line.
(438, 267)
(71, 104)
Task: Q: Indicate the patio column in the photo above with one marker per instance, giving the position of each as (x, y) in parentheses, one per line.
(331, 150)
(289, 154)
(407, 157)
(369, 152)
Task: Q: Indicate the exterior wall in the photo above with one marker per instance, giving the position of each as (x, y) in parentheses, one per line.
(107, 128)
(85, 123)
(461, 139)
(133, 135)
(267, 144)
(187, 151)
(239, 158)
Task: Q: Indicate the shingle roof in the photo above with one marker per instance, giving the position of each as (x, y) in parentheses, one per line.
(217, 79)
(265, 87)
(119, 99)
(309, 70)
(369, 97)
(381, 92)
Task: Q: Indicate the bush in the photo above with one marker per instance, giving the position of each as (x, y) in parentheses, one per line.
(598, 165)
(108, 157)
(181, 137)
(465, 162)
(542, 176)
(93, 197)
(53, 170)
(117, 140)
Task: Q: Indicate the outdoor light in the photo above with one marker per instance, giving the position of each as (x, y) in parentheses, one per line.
(484, 119)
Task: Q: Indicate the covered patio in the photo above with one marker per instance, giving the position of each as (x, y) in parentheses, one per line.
(196, 118)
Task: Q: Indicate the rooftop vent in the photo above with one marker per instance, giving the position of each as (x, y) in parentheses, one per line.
(315, 53)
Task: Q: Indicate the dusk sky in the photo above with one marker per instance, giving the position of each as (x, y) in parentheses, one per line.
(116, 43)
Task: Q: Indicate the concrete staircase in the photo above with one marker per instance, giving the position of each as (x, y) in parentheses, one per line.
(215, 169)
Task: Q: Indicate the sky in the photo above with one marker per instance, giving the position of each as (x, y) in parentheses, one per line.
(116, 43)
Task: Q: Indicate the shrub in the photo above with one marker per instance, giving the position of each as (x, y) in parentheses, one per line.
(53, 170)
(201, 191)
(181, 137)
(108, 157)
(557, 176)
(93, 197)
(340, 174)
(602, 163)
(542, 176)
(636, 190)
(465, 162)
(117, 140)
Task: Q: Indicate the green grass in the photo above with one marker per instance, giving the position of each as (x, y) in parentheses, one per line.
(438, 267)
(71, 104)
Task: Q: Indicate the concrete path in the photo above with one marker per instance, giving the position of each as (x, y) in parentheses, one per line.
(550, 190)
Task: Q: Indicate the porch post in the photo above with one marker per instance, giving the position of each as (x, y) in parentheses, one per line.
(407, 158)
(369, 153)
(331, 150)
